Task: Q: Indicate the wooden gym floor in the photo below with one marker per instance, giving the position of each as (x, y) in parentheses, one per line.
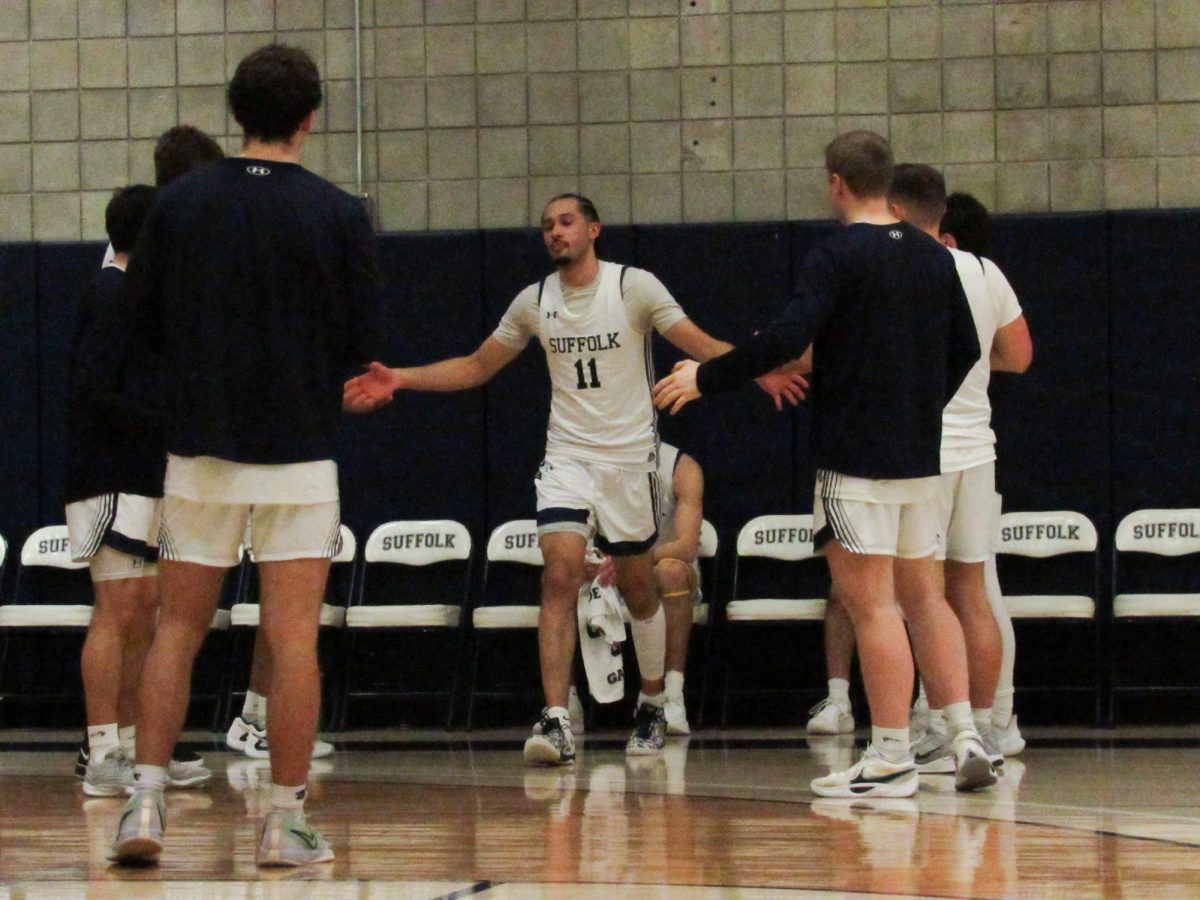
(1079, 814)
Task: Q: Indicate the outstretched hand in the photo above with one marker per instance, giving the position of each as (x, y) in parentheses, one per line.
(780, 385)
(369, 391)
(678, 389)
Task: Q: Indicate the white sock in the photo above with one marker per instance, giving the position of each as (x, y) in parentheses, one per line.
(892, 743)
(922, 697)
(650, 642)
(1002, 707)
(652, 699)
(102, 740)
(560, 713)
(674, 684)
(127, 735)
(261, 724)
(254, 708)
(839, 692)
(150, 778)
(288, 798)
(958, 718)
(937, 721)
(982, 719)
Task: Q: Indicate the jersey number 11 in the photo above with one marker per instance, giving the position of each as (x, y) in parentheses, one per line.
(584, 384)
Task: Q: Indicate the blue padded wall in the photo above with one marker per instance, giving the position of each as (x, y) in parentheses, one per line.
(518, 398)
(19, 461)
(731, 280)
(63, 272)
(421, 456)
(1052, 423)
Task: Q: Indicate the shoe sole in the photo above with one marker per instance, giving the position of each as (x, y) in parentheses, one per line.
(545, 755)
(943, 765)
(898, 790)
(1012, 749)
(137, 850)
(234, 743)
(122, 790)
(819, 730)
(976, 773)
(679, 730)
(292, 863)
(190, 782)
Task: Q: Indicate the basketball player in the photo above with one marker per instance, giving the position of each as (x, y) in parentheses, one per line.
(114, 481)
(255, 280)
(918, 196)
(179, 150)
(593, 319)
(680, 517)
(892, 340)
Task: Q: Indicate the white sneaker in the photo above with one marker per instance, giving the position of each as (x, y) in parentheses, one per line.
(575, 711)
(111, 778)
(1008, 738)
(932, 753)
(288, 840)
(676, 714)
(830, 717)
(871, 776)
(551, 743)
(187, 773)
(918, 722)
(259, 747)
(240, 733)
(973, 769)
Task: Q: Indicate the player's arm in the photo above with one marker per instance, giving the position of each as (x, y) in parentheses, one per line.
(784, 341)
(375, 387)
(1012, 347)
(695, 341)
(688, 484)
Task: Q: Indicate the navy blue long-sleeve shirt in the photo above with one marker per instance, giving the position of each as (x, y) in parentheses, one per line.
(892, 338)
(256, 282)
(114, 424)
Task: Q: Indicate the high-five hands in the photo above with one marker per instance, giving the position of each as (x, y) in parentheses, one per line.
(371, 390)
(679, 389)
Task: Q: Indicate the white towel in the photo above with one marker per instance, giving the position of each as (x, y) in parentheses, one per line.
(601, 634)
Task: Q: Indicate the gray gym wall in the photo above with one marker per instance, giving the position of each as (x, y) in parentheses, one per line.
(661, 110)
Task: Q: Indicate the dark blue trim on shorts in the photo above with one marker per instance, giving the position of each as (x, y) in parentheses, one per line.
(130, 546)
(555, 514)
(625, 548)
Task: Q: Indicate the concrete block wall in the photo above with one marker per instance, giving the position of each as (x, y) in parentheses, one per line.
(662, 110)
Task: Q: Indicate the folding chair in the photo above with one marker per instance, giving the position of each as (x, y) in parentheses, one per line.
(773, 552)
(1052, 559)
(52, 597)
(414, 580)
(509, 601)
(1159, 621)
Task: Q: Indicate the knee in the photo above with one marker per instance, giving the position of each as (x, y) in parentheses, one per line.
(673, 576)
(561, 581)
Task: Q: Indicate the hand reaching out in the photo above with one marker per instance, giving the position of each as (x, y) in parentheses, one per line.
(780, 386)
(371, 390)
(678, 389)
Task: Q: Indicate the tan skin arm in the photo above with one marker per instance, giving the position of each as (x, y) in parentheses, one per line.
(375, 387)
(1012, 347)
(688, 484)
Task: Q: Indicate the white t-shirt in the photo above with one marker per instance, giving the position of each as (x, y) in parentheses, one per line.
(597, 344)
(967, 436)
(207, 479)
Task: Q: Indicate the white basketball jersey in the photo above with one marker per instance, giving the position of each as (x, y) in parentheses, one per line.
(668, 456)
(601, 373)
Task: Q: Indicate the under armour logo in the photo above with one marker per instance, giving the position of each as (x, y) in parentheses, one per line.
(258, 170)
(895, 234)
(552, 315)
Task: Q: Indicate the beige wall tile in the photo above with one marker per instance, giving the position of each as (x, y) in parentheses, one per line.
(915, 86)
(806, 194)
(203, 107)
(915, 33)
(150, 17)
(805, 138)
(451, 101)
(503, 203)
(450, 50)
(657, 198)
(16, 168)
(401, 102)
(1077, 185)
(500, 47)
(14, 25)
(654, 43)
(399, 12)
(862, 88)
(202, 59)
(1074, 79)
(1130, 183)
(1074, 26)
(977, 179)
(499, 10)
(1178, 74)
(917, 138)
(811, 89)
(54, 65)
(655, 146)
(604, 44)
(862, 34)
(103, 63)
(758, 90)
(1178, 182)
(969, 137)
(151, 62)
(253, 15)
(1021, 81)
(969, 83)
(1022, 134)
(810, 36)
(705, 41)
(654, 94)
(551, 46)
(52, 18)
(56, 217)
(554, 150)
(759, 196)
(453, 153)
(1179, 129)
(403, 155)
(1127, 24)
(14, 118)
(1022, 187)
(449, 12)
(707, 93)
(604, 97)
(503, 153)
(1076, 133)
(152, 111)
(16, 217)
(1129, 77)
(612, 194)
(604, 149)
(757, 144)
(757, 38)
(298, 15)
(55, 115)
(104, 165)
(1130, 131)
(399, 51)
(969, 30)
(403, 205)
(554, 98)
(707, 146)
(56, 167)
(14, 66)
(202, 17)
(502, 100)
(707, 196)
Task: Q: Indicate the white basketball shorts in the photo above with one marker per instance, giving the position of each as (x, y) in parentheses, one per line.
(212, 534)
(886, 518)
(968, 514)
(615, 506)
(126, 524)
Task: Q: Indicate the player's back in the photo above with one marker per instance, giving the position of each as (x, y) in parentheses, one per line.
(883, 357)
(265, 279)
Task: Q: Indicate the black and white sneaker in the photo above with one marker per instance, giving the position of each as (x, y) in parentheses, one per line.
(649, 731)
(551, 743)
(871, 776)
(81, 761)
